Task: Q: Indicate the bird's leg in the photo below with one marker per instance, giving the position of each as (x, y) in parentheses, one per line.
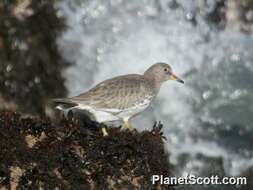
(104, 132)
(127, 125)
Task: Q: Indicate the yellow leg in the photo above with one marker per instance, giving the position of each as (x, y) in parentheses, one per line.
(127, 125)
(104, 132)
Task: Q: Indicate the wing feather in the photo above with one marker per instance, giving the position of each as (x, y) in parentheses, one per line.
(117, 93)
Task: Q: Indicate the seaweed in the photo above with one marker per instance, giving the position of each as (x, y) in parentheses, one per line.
(36, 153)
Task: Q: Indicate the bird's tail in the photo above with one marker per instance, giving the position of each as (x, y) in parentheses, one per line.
(64, 103)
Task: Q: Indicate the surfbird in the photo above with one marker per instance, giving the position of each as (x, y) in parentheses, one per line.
(122, 97)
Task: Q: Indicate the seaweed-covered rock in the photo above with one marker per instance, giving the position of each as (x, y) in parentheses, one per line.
(38, 154)
(30, 69)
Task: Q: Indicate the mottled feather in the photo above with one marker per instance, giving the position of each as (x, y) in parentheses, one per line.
(121, 92)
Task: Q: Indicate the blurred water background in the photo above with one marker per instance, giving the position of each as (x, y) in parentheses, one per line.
(207, 121)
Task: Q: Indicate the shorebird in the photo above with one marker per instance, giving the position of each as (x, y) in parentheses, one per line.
(122, 97)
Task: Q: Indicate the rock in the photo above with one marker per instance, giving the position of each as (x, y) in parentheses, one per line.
(249, 175)
(31, 66)
(46, 155)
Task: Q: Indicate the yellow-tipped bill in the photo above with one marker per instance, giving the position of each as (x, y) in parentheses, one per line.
(174, 77)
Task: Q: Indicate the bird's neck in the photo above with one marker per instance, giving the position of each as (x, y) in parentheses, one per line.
(155, 83)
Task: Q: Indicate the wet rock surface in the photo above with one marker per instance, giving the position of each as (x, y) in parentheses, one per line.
(38, 154)
(249, 175)
(30, 69)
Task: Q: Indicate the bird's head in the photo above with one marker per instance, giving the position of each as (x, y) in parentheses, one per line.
(161, 72)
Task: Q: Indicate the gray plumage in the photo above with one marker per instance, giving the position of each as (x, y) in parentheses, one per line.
(121, 97)
(117, 93)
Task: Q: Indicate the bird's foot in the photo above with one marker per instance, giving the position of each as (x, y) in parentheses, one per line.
(104, 132)
(127, 126)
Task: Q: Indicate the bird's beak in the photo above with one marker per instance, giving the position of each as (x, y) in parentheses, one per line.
(174, 77)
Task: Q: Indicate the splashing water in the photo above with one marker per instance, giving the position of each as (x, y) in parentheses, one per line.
(211, 114)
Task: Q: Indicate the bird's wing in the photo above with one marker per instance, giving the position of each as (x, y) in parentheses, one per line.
(116, 94)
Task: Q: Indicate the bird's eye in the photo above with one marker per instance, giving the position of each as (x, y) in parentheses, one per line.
(166, 69)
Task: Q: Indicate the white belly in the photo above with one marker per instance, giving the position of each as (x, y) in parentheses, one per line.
(99, 115)
(134, 110)
(105, 115)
